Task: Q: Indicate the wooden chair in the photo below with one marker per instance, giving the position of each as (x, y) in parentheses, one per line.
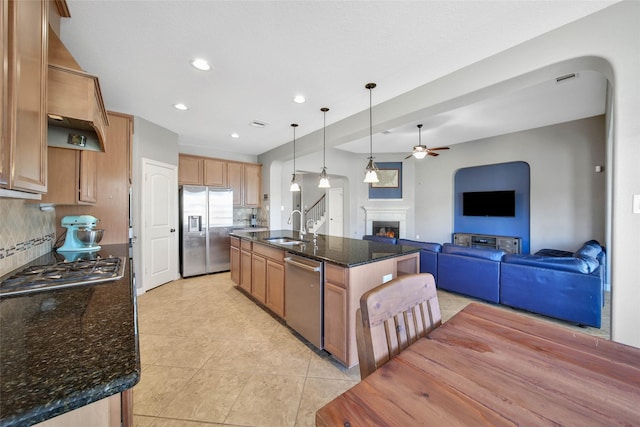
(394, 315)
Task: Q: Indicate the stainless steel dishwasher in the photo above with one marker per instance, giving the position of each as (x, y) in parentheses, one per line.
(303, 300)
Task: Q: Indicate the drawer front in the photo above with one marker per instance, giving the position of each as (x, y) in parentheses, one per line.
(269, 252)
(235, 242)
(245, 244)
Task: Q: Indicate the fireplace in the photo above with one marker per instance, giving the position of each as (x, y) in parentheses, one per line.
(386, 228)
(394, 218)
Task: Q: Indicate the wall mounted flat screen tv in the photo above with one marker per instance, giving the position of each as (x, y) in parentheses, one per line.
(489, 203)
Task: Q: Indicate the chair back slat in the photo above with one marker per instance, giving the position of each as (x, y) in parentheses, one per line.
(393, 316)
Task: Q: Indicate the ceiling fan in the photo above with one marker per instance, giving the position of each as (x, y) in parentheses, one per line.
(420, 151)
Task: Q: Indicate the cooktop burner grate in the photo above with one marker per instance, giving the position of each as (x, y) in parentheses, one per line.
(63, 274)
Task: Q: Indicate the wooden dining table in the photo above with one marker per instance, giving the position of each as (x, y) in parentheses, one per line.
(490, 366)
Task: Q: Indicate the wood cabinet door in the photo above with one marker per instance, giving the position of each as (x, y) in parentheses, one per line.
(215, 173)
(252, 185)
(63, 176)
(275, 287)
(23, 155)
(88, 182)
(235, 179)
(190, 170)
(235, 265)
(258, 277)
(335, 321)
(245, 270)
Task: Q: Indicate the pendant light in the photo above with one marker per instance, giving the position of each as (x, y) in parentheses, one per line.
(419, 151)
(324, 180)
(294, 186)
(371, 171)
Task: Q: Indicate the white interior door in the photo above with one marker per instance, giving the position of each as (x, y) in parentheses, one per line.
(335, 211)
(160, 223)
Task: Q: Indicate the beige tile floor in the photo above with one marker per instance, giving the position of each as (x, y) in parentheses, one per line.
(211, 357)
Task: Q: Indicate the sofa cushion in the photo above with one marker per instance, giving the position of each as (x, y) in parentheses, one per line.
(381, 239)
(572, 264)
(553, 252)
(484, 253)
(433, 247)
(590, 249)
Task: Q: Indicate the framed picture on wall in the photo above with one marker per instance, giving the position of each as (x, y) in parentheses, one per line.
(389, 185)
(387, 178)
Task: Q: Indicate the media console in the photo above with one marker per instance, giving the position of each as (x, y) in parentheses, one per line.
(509, 244)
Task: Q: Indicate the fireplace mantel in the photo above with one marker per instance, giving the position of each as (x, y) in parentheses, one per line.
(386, 213)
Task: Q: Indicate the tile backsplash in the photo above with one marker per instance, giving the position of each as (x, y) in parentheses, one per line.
(26, 233)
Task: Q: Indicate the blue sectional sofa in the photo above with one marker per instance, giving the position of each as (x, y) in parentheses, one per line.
(428, 255)
(470, 271)
(560, 284)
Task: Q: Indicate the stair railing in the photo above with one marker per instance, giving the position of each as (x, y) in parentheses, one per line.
(317, 210)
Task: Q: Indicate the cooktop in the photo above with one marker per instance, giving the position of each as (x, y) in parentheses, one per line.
(63, 274)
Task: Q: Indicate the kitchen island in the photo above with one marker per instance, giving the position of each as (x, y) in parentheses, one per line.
(63, 349)
(351, 267)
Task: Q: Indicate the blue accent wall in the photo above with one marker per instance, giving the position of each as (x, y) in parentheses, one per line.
(502, 176)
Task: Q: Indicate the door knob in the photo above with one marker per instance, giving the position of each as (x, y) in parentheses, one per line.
(173, 230)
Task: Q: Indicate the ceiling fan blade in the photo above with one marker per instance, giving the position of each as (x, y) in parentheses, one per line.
(410, 155)
(439, 148)
(433, 154)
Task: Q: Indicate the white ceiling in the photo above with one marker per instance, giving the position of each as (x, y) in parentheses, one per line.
(263, 53)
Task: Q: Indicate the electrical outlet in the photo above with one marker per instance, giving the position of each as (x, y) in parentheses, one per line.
(386, 278)
(417, 237)
(636, 203)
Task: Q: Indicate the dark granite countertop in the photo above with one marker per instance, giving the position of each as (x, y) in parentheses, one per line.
(338, 250)
(63, 349)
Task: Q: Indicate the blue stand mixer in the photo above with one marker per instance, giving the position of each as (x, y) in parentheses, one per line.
(82, 236)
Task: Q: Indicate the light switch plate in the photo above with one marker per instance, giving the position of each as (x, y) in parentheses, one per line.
(636, 203)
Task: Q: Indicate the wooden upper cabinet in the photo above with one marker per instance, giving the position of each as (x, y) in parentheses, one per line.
(88, 179)
(245, 179)
(190, 170)
(73, 176)
(252, 185)
(23, 152)
(215, 173)
(235, 174)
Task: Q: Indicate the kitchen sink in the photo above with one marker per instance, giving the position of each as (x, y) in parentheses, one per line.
(284, 241)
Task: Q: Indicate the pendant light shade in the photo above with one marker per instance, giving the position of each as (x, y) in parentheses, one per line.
(324, 180)
(420, 151)
(371, 171)
(294, 186)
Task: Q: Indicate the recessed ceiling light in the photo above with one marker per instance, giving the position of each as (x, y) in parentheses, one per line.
(299, 99)
(235, 135)
(201, 64)
(180, 106)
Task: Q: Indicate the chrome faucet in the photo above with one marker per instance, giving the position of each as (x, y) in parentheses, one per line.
(302, 230)
(310, 220)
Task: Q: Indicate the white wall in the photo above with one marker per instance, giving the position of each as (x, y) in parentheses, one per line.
(607, 42)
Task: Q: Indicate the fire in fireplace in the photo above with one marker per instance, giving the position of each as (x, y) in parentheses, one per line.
(386, 228)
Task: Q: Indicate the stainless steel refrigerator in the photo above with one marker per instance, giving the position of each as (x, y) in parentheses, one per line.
(206, 218)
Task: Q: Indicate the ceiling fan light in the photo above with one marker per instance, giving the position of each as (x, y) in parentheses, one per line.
(419, 154)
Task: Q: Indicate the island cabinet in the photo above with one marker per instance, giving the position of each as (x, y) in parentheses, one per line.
(245, 265)
(235, 260)
(23, 106)
(342, 292)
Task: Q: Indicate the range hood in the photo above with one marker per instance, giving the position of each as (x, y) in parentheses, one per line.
(77, 117)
